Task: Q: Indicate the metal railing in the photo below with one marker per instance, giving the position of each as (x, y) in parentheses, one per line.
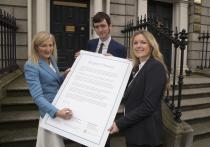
(178, 39)
(7, 42)
(203, 38)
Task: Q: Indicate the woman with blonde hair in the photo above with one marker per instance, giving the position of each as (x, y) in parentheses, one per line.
(44, 80)
(142, 120)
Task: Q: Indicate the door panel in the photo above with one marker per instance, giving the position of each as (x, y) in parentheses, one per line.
(163, 12)
(70, 24)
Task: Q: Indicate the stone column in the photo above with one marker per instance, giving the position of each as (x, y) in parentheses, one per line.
(29, 26)
(108, 7)
(41, 15)
(142, 7)
(97, 7)
(180, 19)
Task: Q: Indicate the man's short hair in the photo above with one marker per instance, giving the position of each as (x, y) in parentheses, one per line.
(100, 16)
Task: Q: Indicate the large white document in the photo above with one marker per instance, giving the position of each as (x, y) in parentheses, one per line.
(93, 90)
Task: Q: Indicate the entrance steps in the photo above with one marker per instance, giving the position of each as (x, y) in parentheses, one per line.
(19, 115)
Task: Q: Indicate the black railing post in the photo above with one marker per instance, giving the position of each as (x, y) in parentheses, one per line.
(145, 22)
(176, 45)
(209, 62)
(132, 28)
(137, 23)
(129, 34)
(207, 38)
(183, 43)
(141, 23)
(7, 42)
(202, 50)
(7, 39)
(1, 34)
(4, 44)
(14, 40)
(127, 38)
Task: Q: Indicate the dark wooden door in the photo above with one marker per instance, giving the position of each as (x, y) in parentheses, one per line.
(69, 23)
(163, 12)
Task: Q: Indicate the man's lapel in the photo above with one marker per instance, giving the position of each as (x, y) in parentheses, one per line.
(110, 47)
(95, 44)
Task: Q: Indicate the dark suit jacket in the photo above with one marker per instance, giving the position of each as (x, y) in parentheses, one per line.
(114, 48)
(142, 123)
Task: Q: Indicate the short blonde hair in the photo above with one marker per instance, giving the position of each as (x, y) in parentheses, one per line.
(38, 40)
(155, 51)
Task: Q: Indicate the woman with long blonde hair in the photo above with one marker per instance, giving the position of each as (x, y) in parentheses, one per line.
(142, 120)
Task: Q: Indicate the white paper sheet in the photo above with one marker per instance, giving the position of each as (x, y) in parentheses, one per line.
(93, 91)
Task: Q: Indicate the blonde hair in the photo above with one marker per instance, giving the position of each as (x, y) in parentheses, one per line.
(37, 41)
(155, 51)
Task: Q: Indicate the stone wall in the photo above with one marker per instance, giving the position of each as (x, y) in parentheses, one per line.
(199, 22)
(18, 8)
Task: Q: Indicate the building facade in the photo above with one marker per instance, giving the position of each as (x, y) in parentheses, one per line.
(199, 23)
(70, 22)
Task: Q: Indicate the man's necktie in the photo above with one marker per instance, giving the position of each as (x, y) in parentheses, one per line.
(135, 70)
(100, 48)
(134, 73)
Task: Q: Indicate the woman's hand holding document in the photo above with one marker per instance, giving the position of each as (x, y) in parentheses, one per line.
(93, 89)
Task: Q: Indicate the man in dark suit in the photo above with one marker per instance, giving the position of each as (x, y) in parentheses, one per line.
(104, 44)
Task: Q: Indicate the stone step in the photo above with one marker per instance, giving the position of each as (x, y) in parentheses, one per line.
(18, 119)
(193, 81)
(200, 126)
(195, 103)
(193, 93)
(19, 83)
(202, 141)
(12, 138)
(7, 78)
(18, 92)
(25, 103)
(195, 85)
(202, 72)
(18, 137)
(195, 96)
(18, 87)
(25, 118)
(195, 114)
(17, 104)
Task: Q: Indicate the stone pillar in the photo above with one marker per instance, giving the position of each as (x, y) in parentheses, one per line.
(29, 26)
(41, 15)
(175, 134)
(180, 13)
(142, 7)
(108, 7)
(97, 7)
